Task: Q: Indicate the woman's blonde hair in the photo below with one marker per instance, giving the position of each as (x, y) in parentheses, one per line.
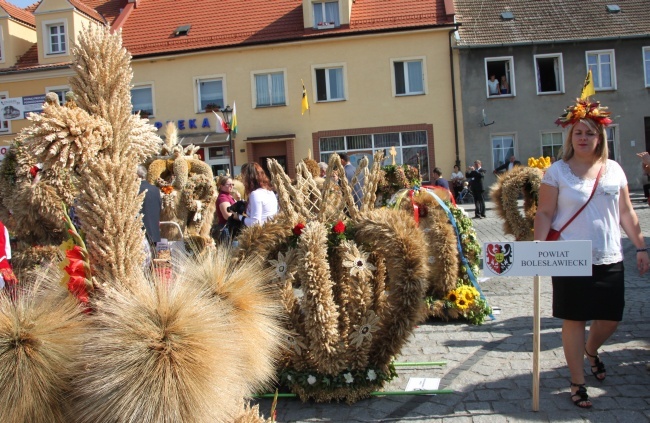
(222, 180)
(601, 149)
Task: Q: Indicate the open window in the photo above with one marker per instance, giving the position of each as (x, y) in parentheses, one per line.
(549, 73)
(408, 77)
(500, 77)
(330, 83)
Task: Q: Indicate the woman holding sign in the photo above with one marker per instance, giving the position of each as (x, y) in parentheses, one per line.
(585, 177)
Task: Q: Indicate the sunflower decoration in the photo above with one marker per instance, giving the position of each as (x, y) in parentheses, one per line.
(453, 249)
(542, 163)
(353, 288)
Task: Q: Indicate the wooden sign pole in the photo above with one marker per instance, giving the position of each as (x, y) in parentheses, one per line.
(536, 341)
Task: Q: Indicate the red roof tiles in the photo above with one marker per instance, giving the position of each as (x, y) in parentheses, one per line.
(18, 13)
(216, 24)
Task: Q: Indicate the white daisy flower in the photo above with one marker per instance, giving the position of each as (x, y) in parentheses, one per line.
(281, 265)
(357, 261)
(348, 378)
(372, 375)
(311, 380)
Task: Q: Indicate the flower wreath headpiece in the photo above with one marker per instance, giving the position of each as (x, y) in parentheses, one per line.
(584, 109)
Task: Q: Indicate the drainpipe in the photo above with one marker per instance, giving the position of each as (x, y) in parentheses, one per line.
(453, 95)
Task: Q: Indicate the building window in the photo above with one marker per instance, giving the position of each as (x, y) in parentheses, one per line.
(142, 100)
(549, 73)
(408, 77)
(552, 144)
(269, 89)
(60, 92)
(500, 77)
(603, 69)
(646, 65)
(330, 84)
(503, 146)
(612, 142)
(411, 147)
(4, 124)
(326, 14)
(2, 46)
(56, 38)
(210, 94)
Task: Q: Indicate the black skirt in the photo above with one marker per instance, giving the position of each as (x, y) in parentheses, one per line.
(597, 297)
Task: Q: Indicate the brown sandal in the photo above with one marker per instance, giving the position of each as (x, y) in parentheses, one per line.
(580, 398)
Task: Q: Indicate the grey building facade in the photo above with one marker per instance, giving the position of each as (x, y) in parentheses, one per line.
(539, 54)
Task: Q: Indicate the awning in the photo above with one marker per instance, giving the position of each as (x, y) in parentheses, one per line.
(271, 138)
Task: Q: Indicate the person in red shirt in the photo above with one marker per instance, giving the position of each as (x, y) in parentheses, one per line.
(227, 197)
(8, 280)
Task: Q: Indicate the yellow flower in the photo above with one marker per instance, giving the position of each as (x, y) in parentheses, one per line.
(462, 303)
(452, 296)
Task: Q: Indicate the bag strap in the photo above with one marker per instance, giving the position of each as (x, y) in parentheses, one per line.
(588, 200)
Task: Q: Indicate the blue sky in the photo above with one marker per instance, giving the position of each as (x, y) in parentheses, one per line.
(22, 3)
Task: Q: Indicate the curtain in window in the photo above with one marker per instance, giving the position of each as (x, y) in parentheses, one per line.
(262, 90)
(415, 77)
(318, 13)
(277, 89)
(336, 83)
(332, 12)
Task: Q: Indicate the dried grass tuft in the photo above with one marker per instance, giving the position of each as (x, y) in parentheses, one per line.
(40, 339)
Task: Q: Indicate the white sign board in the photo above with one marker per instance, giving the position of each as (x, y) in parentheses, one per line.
(11, 108)
(537, 258)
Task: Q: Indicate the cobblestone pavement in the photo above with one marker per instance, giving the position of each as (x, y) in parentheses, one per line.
(489, 367)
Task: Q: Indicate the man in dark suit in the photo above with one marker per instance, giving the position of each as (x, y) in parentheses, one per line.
(150, 208)
(507, 166)
(475, 176)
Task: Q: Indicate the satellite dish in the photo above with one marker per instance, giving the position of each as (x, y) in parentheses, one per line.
(484, 122)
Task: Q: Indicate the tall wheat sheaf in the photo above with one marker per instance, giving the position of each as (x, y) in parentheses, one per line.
(177, 350)
(351, 305)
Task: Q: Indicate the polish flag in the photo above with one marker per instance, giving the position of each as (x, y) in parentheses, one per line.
(221, 127)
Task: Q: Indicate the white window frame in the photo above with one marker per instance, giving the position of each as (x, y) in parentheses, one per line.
(268, 72)
(207, 78)
(58, 89)
(513, 90)
(46, 25)
(2, 44)
(405, 60)
(645, 58)
(560, 75)
(5, 125)
(327, 66)
(541, 140)
(321, 4)
(370, 150)
(596, 76)
(502, 135)
(141, 85)
(615, 145)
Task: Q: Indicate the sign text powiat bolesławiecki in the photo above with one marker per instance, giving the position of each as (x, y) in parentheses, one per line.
(537, 258)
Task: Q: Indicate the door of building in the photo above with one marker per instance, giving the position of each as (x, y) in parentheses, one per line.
(282, 161)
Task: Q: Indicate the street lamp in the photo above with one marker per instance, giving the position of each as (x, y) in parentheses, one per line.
(227, 118)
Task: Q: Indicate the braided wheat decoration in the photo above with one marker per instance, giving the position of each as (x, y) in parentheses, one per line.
(351, 282)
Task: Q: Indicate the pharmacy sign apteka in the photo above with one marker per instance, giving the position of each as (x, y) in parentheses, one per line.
(537, 258)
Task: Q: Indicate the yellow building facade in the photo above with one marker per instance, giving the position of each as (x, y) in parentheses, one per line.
(366, 92)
